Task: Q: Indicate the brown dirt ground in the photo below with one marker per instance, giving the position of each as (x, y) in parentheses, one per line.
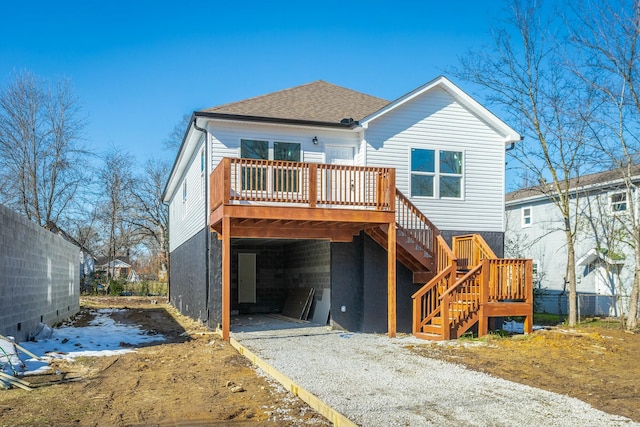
(184, 381)
(596, 364)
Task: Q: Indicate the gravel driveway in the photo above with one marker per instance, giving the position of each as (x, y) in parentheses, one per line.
(377, 381)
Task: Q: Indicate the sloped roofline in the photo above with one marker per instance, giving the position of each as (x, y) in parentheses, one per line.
(595, 181)
(510, 135)
(594, 254)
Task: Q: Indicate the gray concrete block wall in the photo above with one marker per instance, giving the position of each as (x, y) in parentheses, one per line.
(39, 276)
(188, 277)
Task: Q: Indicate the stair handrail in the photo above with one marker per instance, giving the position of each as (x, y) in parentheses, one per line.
(472, 248)
(414, 224)
(445, 255)
(445, 278)
(449, 302)
(420, 307)
(483, 247)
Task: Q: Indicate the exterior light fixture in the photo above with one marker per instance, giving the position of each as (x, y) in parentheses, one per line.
(315, 140)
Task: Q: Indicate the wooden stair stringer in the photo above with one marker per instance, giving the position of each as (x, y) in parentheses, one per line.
(421, 266)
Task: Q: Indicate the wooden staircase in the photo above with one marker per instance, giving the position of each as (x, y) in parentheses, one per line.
(463, 286)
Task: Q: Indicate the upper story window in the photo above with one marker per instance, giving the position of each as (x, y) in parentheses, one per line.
(288, 151)
(254, 149)
(202, 173)
(184, 198)
(436, 173)
(618, 202)
(526, 216)
(257, 178)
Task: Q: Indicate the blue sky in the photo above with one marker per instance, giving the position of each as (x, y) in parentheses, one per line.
(139, 66)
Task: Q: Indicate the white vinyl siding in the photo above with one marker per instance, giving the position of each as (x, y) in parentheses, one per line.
(437, 121)
(226, 137)
(545, 241)
(187, 215)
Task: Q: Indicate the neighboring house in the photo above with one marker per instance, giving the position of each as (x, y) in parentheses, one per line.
(117, 269)
(604, 262)
(87, 259)
(306, 187)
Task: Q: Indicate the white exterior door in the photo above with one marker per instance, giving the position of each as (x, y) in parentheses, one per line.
(246, 278)
(336, 155)
(339, 183)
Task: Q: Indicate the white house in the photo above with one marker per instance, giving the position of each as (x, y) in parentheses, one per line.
(604, 261)
(435, 145)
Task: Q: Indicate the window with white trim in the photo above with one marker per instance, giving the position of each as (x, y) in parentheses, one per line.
(256, 176)
(436, 173)
(202, 173)
(535, 266)
(527, 216)
(184, 198)
(618, 202)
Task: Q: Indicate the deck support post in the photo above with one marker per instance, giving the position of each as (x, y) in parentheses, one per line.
(485, 277)
(391, 279)
(226, 277)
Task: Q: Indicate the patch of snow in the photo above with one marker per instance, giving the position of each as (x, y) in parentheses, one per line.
(103, 337)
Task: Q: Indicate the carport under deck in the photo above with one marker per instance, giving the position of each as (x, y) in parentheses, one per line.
(290, 200)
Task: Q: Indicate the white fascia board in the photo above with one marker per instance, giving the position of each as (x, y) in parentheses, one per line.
(510, 135)
(526, 200)
(286, 125)
(594, 254)
(187, 149)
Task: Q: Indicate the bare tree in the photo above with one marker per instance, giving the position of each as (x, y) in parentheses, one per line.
(42, 163)
(151, 216)
(606, 34)
(174, 139)
(527, 78)
(116, 180)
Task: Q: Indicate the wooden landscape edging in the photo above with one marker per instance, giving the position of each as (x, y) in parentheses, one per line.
(312, 400)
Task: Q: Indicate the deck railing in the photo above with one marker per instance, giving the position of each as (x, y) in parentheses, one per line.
(415, 225)
(471, 250)
(446, 257)
(426, 301)
(237, 180)
(510, 280)
(462, 299)
(451, 301)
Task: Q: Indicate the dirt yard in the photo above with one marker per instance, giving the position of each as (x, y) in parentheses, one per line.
(186, 381)
(190, 379)
(596, 364)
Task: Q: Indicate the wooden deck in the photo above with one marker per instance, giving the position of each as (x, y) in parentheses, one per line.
(293, 200)
(276, 199)
(296, 200)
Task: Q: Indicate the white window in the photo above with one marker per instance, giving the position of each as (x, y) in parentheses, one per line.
(536, 272)
(202, 173)
(436, 173)
(526, 216)
(256, 177)
(618, 202)
(184, 198)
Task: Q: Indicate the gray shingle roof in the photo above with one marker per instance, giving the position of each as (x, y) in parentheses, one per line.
(594, 179)
(317, 101)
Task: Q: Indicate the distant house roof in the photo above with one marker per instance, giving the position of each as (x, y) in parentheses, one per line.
(612, 177)
(602, 254)
(53, 227)
(116, 263)
(317, 101)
